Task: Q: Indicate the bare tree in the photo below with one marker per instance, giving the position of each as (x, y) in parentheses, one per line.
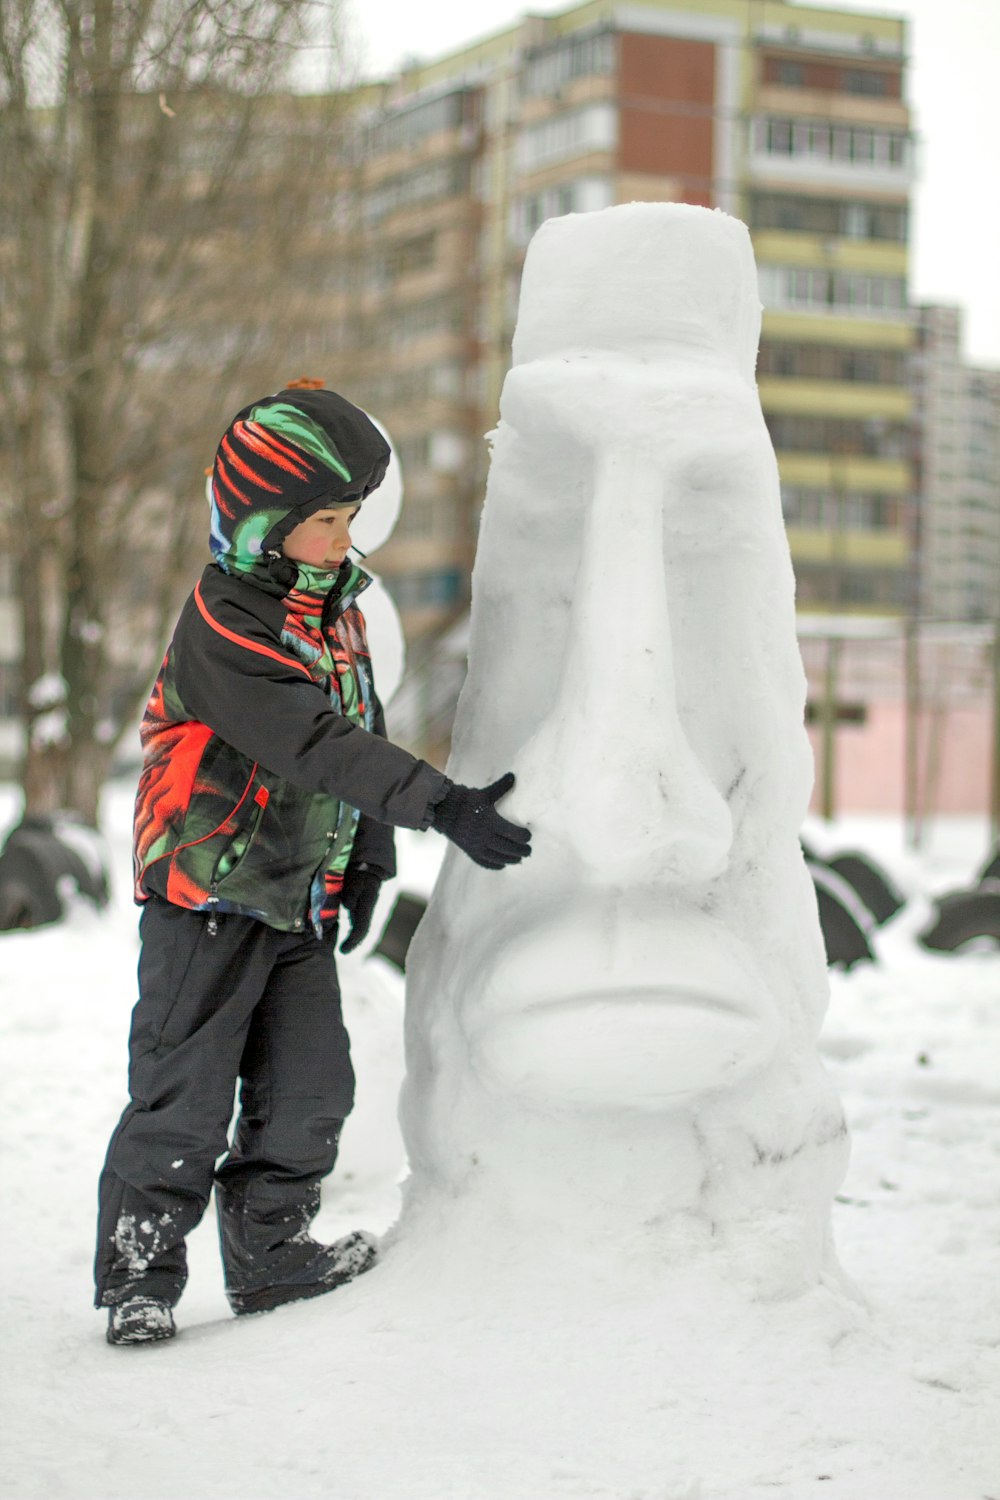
(158, 189)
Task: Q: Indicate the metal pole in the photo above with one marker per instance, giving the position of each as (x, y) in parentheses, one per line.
(911, 770)
(995, 777)
(828, 788)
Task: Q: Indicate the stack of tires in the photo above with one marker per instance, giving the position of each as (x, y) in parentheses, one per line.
(46, 862)
(968, 921)
(855, 896)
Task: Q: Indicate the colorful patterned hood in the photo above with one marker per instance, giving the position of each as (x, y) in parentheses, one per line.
(282, 458)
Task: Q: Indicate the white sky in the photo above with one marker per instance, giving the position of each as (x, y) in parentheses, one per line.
(954, 90)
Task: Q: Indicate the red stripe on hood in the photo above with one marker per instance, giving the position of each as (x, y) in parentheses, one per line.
(231, 484)
(263, 442)
(245, 469)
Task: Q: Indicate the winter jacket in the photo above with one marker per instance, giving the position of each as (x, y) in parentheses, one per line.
(265, 764)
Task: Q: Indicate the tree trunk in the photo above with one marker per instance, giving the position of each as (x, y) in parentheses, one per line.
(157, 282)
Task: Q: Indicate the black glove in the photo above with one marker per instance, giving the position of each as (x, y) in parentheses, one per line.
(358, 896)
(466, 815)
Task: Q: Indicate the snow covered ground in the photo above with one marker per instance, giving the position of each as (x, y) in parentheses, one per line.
(579, 1372)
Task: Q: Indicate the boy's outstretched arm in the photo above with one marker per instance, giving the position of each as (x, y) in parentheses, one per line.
(230, 675)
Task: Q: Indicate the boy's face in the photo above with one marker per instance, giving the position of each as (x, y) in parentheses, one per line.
(321, 541)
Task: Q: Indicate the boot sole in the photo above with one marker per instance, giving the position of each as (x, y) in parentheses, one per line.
(357, 1253)
(159, 1336)
(277, 1296)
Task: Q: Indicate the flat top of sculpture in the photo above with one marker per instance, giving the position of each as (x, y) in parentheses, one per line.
(643, 278)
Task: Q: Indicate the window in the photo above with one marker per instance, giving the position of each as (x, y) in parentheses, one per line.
(795, 286)
(841, 139)
(839, 436)
(407, 127)
(592, 129)
(443, 380)
(818, 140)
(866, 81)
(401, 259)
(888, 221)
(829, 216)
(859, 144)
(856, 220)
(824, 510)
(428, 517)
(783, 363)
(582, 195)
(829, 76)
(581, 56)
(447, 179)
(419, 320)
(414, 452)
(791, 74)
(830, 586)
(862, 145)
(438, 587)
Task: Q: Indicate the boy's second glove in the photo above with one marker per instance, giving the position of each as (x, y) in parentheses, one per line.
(359, 897)
(467, 816)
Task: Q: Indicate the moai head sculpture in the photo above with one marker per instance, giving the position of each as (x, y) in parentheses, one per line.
(631, 1014)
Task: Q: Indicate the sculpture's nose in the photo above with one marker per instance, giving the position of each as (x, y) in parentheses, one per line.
(611, 772)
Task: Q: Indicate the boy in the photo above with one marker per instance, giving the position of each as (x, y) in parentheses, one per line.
(265, 804)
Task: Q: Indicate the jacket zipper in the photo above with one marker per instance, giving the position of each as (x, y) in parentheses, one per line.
(213, 924)
(262, 798)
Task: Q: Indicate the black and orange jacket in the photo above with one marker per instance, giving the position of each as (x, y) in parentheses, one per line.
(266, 770)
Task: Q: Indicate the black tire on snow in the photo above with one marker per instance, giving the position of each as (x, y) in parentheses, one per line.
(871, 882)
(965, 918)
(991, 870)
(846, 922)
(394, 943)
(37, 865)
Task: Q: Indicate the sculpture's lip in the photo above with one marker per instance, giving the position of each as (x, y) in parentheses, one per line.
(630, 1014)
(587, 953)
(737, 1001)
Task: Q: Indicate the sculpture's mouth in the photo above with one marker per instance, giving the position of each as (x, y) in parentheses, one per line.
(647, 1016)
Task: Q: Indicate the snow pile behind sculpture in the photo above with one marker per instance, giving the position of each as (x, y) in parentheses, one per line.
(618, 1037)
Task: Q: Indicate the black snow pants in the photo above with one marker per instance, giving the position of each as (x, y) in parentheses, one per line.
(248, 1003)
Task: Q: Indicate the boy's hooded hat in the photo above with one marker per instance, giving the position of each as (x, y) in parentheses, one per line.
(282, 458)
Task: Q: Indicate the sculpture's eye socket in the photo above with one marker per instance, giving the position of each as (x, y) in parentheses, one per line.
(540, 491)
(729, 661)
(532, 534)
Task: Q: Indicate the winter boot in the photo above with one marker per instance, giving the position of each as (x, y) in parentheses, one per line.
(268, 1254)
(140, 1320)
(328, 1267)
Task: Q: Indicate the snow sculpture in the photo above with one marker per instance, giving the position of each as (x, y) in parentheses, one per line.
(620, 1033)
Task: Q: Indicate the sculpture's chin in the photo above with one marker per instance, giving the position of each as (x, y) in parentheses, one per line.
(644, 1048)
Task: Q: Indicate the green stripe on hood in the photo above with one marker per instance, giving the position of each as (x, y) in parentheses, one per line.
(291, 423)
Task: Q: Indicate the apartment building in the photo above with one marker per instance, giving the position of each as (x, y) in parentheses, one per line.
(957, 432)
(794, 119)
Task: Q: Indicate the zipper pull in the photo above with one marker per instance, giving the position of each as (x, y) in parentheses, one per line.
(213, 901)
